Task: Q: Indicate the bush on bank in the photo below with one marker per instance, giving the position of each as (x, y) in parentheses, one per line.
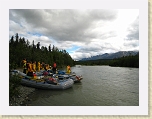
(14, 83)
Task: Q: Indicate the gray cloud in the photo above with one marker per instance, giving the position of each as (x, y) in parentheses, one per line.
(99, 48)
(89, 49)
(83, 33)
(63, 25)
(103, 14)
(132, 43)
(133, 31)
(109, 34)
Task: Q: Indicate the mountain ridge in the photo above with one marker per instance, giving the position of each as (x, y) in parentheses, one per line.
(111, 55)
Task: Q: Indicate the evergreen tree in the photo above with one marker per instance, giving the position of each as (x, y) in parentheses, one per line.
(21, 48)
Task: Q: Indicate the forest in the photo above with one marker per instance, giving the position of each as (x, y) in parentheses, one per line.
(128, 61)
(20, 48)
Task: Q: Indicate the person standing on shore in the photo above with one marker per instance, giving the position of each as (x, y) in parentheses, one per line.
(30, 69)
(24, 66)
(42, 66)
(38, 66)
(34, 66)
(54, 68)
(68, 69)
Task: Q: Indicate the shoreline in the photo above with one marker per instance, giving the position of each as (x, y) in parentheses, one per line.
(23, 98)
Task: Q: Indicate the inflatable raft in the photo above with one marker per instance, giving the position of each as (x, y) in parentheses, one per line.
(71, 75)
(42, 82)
(76, 78)
(45, 84)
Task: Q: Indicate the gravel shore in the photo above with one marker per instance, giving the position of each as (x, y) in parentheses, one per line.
(22, 98)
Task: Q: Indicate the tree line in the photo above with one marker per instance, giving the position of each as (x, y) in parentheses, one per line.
(20, 48)
(127, 61)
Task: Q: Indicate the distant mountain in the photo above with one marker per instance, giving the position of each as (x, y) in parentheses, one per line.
(111, 55)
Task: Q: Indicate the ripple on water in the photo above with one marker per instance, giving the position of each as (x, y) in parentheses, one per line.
(101, 86)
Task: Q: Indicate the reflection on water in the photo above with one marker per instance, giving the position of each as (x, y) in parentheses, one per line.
(101, 86)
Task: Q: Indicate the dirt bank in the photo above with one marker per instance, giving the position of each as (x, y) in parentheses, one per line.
(22, 98)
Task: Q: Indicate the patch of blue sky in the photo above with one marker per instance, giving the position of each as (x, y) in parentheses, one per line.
(72, 49)
(18, 23)
(35, 34)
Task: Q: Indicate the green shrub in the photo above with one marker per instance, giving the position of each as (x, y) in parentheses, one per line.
(14, 83)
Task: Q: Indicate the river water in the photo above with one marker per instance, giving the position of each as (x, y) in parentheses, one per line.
(101, 86)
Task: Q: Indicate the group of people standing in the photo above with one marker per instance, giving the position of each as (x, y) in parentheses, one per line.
(29, 68)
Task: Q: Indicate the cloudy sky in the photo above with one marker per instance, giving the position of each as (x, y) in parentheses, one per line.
(81, 32)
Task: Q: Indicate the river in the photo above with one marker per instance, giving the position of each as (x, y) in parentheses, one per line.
(101, 86)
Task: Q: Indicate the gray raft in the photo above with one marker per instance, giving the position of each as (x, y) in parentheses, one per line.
(61, 84)
(41, 82)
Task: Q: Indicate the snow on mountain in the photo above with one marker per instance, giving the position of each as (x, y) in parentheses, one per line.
(111, 55)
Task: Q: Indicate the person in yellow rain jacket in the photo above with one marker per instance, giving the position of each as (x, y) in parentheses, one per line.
(47, 67)
(68, 69)
(54, 68)
(34, 66)
(30, 69)
(24, 66)
(38, 66)
(42, 65)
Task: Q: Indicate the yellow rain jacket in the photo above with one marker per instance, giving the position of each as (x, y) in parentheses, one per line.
(38, 66)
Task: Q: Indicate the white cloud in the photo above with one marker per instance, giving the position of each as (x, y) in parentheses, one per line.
(83, 32)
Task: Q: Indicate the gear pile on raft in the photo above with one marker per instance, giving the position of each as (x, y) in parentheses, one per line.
(46, 77)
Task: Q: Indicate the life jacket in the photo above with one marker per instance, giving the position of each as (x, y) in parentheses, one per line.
(34, 76)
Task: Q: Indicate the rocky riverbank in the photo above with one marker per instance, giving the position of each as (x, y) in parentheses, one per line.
(22, 99)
